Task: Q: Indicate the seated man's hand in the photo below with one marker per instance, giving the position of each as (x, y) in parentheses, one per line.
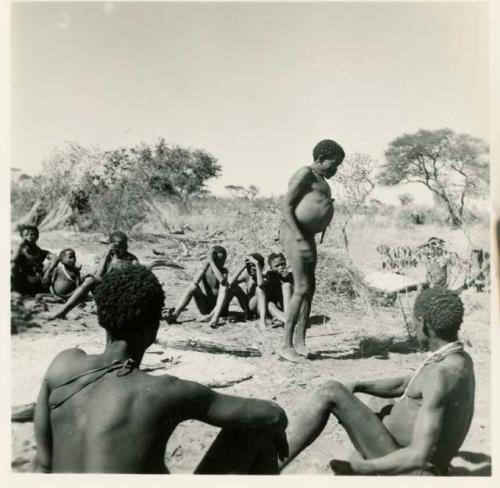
(281, 445)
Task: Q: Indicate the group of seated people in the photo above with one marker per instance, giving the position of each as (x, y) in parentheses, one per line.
(57, 278)
(416, 425)
(259, 294)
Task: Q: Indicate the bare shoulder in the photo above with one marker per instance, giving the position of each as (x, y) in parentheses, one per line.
(304, 173)
(174, 390)
(64, 364)
(448, 375)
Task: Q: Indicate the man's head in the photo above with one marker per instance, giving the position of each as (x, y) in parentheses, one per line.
(277, 262)
(68, 257)
(438, 313)
(29, 233)
(251, 266)
(119, 241)
(328, 156)
(219, 255)
(129, 304)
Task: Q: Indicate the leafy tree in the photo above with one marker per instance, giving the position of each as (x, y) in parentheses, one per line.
(454, 167)
(352, 184)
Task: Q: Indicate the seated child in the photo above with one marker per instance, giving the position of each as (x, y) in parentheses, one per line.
(210, 277)
(279, 287)
(64, 277)
(116, 256)
(252, 298)
(28, 274)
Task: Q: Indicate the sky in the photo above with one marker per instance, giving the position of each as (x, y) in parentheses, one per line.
(255, 84)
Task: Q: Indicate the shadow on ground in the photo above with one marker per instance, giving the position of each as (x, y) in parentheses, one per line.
(369, 347)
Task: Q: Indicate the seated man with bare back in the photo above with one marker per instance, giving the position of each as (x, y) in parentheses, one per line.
(211, 276)
(116, 256)
(279, 287)
(307, 211)
(423, 429)
(101, 413)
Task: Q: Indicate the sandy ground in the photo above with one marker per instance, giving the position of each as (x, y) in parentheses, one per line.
(348, 347)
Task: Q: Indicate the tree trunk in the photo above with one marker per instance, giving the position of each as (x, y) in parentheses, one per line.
(346, 240)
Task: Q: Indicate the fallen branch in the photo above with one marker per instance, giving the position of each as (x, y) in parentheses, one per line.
(225, 384)
(210, 347)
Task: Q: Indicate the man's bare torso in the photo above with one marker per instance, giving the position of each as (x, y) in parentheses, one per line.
(458, 413)
(314, 212)
(119, 423)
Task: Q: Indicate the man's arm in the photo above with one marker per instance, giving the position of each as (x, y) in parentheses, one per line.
(297, 188)
(227, 411)
(43, 433)
(426, 433)
(384, 388)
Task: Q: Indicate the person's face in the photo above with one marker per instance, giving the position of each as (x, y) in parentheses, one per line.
(279, 265)
(30, 236)
(120, 246)
(330, 165)
(69, 259)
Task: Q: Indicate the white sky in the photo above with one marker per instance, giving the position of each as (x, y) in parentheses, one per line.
(255, 84)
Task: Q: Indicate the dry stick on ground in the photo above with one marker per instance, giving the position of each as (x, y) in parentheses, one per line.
(203, 345)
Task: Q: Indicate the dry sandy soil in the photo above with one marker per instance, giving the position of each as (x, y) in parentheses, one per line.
(348, 346)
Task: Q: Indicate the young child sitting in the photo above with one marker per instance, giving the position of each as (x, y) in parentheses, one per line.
(251, 298)
(116, 256)
(205, 285)
(29, 276)
(279, 287)
(64, 277)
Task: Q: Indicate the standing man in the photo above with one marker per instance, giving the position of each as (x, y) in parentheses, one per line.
(307, 211)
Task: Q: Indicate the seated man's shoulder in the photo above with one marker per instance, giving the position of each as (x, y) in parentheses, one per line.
(132, 257)
(65, 362)
(174, 390)
(447, 375)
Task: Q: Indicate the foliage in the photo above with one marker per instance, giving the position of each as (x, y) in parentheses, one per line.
(352, 184)
(452, 166)
(251, 192)
(406, 199)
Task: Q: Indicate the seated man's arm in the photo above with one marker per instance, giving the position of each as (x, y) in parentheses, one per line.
(43, 433)
(384, 388)
(227, 411)
(426, 433)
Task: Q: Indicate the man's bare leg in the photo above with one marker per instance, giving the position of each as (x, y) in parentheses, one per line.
(78, 296)
(240, 452)
(302, 270)
(258, 304)
(223, 299)
(275, 312)
(287, 290)
(367, 432)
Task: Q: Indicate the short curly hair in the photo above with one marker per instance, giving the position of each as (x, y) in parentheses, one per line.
(24, 228)
(258, 257)
(327, 148)
(442, 310)
(127, 298)
(118, 234)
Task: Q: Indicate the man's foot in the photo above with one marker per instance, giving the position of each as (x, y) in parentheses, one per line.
(302, 350)
(290, 354)
(277, 323)
(342, 468)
